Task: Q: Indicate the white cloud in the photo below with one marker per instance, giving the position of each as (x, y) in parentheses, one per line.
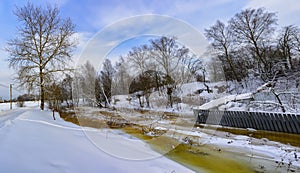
(108, 14)
(187, 7)
(288, 10)
(81, 38)
(103, 42)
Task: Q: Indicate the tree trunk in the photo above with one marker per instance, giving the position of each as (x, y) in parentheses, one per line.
(42, 89)
(207, 87)
(279, 101)
(53, 114)
(147, 95)
(139, 97)
(169, 92)
(231, 65)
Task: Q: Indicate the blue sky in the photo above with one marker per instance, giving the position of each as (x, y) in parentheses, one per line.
(93, 16)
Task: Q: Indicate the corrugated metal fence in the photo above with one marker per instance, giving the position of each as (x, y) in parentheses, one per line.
(279, 122)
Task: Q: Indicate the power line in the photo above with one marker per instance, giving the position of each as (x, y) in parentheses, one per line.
(5, 86)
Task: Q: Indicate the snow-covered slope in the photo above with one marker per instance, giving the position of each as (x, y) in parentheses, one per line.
(255, 96)
(185, 97)
(31, 141)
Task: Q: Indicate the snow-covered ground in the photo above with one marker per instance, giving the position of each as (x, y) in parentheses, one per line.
(273, 156)
(6, 106)
(188, 94)
(256, 96)
(31, 141)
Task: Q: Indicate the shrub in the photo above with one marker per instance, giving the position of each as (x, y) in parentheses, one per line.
(21, 103)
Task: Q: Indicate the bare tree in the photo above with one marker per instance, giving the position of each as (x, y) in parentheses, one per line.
(222, 42)
(168, 54)
(87, 77)
(43, 45)
(288, 44)
(122, 77)
(254, 27)
(139, 58)
(145, 83)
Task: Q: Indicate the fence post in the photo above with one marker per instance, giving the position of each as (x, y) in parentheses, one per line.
(271, 122)
(275, 123)
(266, 121)
(296, 123)
(291, 123)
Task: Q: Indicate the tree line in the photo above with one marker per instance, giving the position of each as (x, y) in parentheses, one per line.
(250, 46)
(161, 65)
(43, 48)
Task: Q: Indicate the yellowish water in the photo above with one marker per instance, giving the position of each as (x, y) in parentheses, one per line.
(197, 158)
(285, 138)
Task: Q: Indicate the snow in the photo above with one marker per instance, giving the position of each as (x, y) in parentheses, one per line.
(31, 141)
(223, 100)
(188, 93)
(228, 96)
(255, 148)
(6, 106)
(261, 151)
(35, 142)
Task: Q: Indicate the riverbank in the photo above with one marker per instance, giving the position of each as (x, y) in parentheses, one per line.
(234, 151)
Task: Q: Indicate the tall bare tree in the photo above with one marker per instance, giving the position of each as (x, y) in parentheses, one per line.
(168, 54)
(254, 27)
(86, 87)
(221, 38)
(42, 47)
(122, 78)
(288, 44)
(139, 58)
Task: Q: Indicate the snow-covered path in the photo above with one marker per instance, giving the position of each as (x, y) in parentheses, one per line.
(31, 141)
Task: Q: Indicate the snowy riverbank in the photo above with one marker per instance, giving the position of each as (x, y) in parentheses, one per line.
(261, 153)
(31, 141)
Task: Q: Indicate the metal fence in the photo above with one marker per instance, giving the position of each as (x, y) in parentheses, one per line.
(279, 122)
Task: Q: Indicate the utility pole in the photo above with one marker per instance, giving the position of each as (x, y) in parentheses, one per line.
(10, 88)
